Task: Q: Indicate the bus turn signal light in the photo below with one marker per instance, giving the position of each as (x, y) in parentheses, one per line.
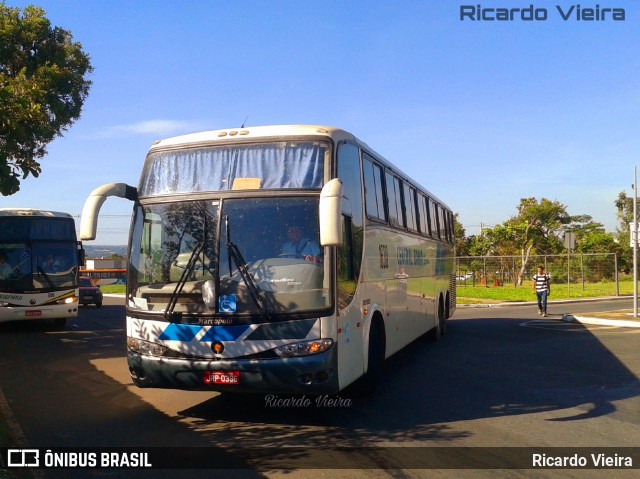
(304, 348)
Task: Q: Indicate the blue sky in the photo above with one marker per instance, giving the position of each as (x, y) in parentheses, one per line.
(481, 113)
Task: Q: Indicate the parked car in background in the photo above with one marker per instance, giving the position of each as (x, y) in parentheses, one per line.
(465, 277)
(89, 293)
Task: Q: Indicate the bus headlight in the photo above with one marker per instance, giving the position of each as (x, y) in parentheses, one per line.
(146, 347)
(303, 348)
(71, 299)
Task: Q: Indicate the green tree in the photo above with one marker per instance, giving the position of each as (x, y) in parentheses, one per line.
(537, 228)
(597, 242)
(497, 241)
(459, 235)
(43, 86)
(478, 245)
(598, 267)
(624, 205)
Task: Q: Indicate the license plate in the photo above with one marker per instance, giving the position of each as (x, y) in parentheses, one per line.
(37, 312)
(222, 377)
(87, 297)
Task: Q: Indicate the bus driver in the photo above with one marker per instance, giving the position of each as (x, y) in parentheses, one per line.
(298, 246)
(5, 270)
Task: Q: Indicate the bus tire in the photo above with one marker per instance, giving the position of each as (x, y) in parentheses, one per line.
(445, 316)
(375, 358)
(435, 334)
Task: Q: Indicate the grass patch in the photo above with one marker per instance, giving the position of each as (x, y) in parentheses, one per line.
(468, 294)
(113, 288)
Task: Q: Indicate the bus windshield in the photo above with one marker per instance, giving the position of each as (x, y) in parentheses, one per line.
(260, 255)
(37, 254)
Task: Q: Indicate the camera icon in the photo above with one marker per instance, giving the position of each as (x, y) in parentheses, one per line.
(23, 458)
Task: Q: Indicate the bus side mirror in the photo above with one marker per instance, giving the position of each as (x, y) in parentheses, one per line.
(81, 256)
(330, 213)
(92, 205)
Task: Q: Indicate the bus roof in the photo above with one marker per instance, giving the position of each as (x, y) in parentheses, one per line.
(256, 132)
(33, 212)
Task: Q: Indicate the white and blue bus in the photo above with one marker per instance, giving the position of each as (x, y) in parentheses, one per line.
(278, 259)
(39, 260)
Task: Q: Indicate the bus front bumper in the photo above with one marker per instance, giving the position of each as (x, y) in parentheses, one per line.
(17, 313)
(313, 374)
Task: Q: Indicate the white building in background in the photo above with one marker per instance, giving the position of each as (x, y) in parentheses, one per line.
(107, 263)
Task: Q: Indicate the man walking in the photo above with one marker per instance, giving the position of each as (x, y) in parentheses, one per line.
(542, 289)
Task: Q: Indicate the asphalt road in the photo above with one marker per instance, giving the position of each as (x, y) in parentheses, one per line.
(500, 378)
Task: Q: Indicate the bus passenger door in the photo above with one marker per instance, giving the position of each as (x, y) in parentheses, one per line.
(350, 321)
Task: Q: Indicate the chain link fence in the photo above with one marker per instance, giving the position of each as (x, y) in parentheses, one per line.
(574, 269)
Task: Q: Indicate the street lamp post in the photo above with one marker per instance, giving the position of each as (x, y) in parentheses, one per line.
(635, 241)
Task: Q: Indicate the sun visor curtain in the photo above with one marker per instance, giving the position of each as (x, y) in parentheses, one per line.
(278, 165)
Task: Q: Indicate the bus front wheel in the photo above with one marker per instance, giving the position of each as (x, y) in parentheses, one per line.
(375, 357)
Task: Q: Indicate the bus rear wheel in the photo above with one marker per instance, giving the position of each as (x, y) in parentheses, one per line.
(435, 334)
(445, 316)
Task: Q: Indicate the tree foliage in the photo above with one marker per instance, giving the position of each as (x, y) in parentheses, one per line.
(43, 86)
(624, 206)
(539, 228)
(459, 234)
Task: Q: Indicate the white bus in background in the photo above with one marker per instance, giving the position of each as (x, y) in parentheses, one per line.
(39, 259)
(104, 276)
(219, 299)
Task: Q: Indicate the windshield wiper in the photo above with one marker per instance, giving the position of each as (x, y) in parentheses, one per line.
(188, 269)
(46, 277)
(241, 264)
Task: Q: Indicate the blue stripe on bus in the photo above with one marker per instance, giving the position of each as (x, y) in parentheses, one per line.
(180, 332)
(186, 333)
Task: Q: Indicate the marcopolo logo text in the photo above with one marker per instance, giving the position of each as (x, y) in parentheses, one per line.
(533, 13)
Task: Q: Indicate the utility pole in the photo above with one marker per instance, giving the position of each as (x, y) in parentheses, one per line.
(635, 241)
(570, 244)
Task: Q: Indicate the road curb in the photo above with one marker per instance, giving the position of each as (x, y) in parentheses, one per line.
(571, 317)
(603, 321)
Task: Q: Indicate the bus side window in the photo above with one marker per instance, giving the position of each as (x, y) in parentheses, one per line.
(423, 208)
(433, 217)
(346, 283)
(394, 206)
(451, 227)
(410, 207)
(374, 197)
(442, 224)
